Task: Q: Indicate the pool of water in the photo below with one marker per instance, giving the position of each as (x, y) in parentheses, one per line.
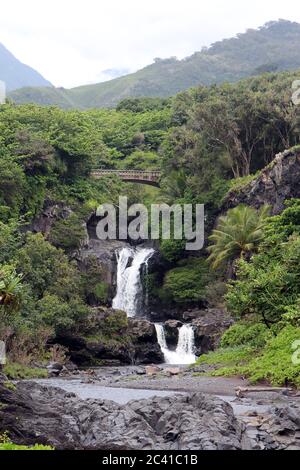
(119, 395)
(125, 395)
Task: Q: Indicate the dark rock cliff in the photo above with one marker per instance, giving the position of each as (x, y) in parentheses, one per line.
(109, 338)
(278, 182)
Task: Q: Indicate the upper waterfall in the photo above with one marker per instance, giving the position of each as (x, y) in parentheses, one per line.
(129, 285)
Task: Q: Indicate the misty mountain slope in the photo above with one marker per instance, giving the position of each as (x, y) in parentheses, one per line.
(273, 47)
(17, 75)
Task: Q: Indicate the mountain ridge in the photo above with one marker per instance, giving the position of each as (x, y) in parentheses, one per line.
(15, 74)
(272, 47)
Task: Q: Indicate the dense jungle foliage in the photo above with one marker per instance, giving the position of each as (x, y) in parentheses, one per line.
(204, 141)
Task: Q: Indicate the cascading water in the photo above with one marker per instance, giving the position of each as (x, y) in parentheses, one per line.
(129, 297)
(184, 353)
(129, 285)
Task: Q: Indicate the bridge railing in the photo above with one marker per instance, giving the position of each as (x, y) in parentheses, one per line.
(134, 174)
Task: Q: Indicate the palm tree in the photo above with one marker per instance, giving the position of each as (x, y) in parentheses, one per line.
(238, 235)
(10, 288)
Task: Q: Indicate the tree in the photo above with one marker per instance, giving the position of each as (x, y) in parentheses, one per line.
(10, 288)
(268, 285)
(238, 235)
(35, 154)
(47, 269)
(12, 183)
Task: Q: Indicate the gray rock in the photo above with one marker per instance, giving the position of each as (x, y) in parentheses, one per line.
(104, 252)
(139, 345)
(209, 325)
(276, 183)
(51, 416)
(171, 332)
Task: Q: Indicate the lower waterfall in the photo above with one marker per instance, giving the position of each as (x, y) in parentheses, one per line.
(129, 285)
(184, 353)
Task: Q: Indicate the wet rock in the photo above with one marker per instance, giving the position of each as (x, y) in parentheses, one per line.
(144, 342)
(142, 330)
(171, 332)
(278, 430)
(51, 416)
(140, 371)
(54, 369)
(104, 253)
(209, 325)
(97, 344)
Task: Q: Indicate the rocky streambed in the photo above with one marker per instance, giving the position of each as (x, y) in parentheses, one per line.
(140, 408)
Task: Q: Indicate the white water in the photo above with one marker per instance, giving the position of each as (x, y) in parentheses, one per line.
(129, 286)
(184, 353)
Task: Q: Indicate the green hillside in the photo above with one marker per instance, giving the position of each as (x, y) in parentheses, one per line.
(273, 47)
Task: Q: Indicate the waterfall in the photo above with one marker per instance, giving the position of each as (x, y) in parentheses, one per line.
(129, 285)
(184, 353)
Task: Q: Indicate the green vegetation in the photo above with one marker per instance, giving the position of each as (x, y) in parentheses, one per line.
(238, 235)
(271, 48)
(10, 288)
(6, 444)
(266, 359)
(186, 284)
(11, 446)
(265, 298)
(268, 285)
(206, 141)
(16, 371)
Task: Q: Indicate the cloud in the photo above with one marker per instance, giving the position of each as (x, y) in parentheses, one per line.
(72, 43)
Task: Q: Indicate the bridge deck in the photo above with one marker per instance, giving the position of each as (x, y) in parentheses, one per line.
(136, 176)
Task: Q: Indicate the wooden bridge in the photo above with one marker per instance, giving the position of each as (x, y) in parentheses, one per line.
(132, 176)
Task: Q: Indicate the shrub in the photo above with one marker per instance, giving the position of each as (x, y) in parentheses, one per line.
(172, 250)
(16, 371)
(238, 234)
(101, 291)
(187, 284)
(275, 364)
(240, 334)
(68, 233)
(268, 285)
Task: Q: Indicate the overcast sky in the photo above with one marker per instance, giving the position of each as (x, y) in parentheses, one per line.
(71, 42)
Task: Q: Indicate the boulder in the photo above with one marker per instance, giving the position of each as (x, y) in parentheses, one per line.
(46, 415)
(104, 252)
(144, 341)
(279, 429)
(131, 341)
(54, 369)
(209, 325)
(152, 370)
(171, 332)
(172, 371)
(142, 331)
